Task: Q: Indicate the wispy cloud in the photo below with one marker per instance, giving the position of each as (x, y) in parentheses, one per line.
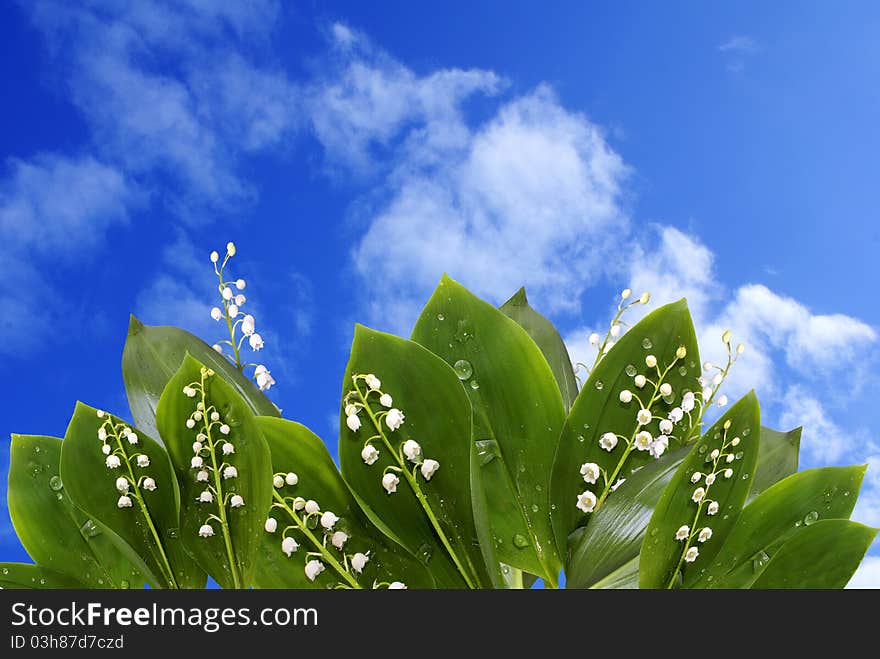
(736, 50)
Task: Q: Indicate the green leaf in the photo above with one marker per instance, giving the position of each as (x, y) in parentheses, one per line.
(626, 577)
(548, 339)
(438, 417)
(786, 509)
(152, 356)
(598, 410)
(518, 414)
(825, 555)
(662, 556)
(19, 576)
(296, 449)
(229, 556)
(55, 533)
(146, 532)
(777, 458)
(614, 535)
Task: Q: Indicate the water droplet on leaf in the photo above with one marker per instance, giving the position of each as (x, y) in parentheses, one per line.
(810, 517)
(463, 369)
(519, 541)
(646, 343)
(631, 370)
(487, 450)
(55, 483)
(475, 384)
(599, 385)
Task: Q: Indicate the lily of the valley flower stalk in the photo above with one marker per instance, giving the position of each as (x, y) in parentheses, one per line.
(119, 445)
(320, 528)
(213, 450)
(232, 300)
(408, 460)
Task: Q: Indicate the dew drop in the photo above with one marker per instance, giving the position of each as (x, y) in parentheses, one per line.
(669, 400)
(519, 541)
(586, 426)
(440, 316)
(846, 494)
(55, 483)
(59, 496)
(487, 450)
(36, 449)
(505, 569)
(745, 433)
(100, 582)
(745, 476)
(703, 448)
(463, 369)
(682, 370)
(125, 584)
(425, 552)
(90, 529)
(646, 343)
(538, 488)
(581, 439)
(631, 370)
(5, 570)
(475, 384)
(653, 532)
(739, 455)
(42, 581)
(810, 517)
(173, 533)
(535, 508)
(552, 506)
(599, 385)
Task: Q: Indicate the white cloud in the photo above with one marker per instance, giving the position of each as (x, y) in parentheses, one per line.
(54, 208)
(534, 187)
(59, 205)
(822, 440)
(366, 100)
(868, 574)
(189, 123)
(740, 44)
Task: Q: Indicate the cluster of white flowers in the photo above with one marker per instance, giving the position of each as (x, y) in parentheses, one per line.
(604, 344)
(117, 440)
(410, 451)
(306, 515)
(212, 447)
(717, 461)
(651, 396)
(232, 300)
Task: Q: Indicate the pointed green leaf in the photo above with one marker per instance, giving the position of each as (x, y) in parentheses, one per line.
(153, 354)
(18, 576)
(229, 555)
(55, 533)
(784, 510)
(146, 532)
(548, 339)
(614, 535)
(777, 458)
(598, 410)
(825, 555)
(296, 449)
(518, 414)
(662, 559)
(437, 416)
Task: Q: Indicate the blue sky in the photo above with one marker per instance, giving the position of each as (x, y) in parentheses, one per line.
(726, 152)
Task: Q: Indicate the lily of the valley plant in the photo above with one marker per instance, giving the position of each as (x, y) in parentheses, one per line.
(472, 455)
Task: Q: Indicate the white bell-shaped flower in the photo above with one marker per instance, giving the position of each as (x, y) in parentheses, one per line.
(289, 545)
(683, 532)
(698, 494)
(640, 381)
(394, 419)
(216, 314)
(143, 461)
(373, 382)
(665, 389)
(230, 472)
(369, 454)
(228, 449)
(625, 396)
(206, 531)
(397, 585)
(124, 501)
(390, 482)
(105, 449)
(122, 484)
(643, 440)
(149, 484)
(412, 450)
(278, 481)
(429, 468)
(202, 476)
(311, 507)
(691, 555)
(608, 441)
(240, 284)
(196, 462)
(255, 341)
(594, 339)
(712, 508)
(358, 561)
(328, 520)
(666, 426)
(385, 400)
(590, 471)
(338, 539)
(112, 462)
(271, 525)
(705, 534)
(237, 501)
(650, 361)
(313, 569)
(247, 325)
(586, 501)
(644, 417)
(206, 496)
(291, 478)
(353, 421)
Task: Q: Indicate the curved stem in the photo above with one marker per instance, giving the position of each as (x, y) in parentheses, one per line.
(414, 485)
(324, 553)
(169, 573)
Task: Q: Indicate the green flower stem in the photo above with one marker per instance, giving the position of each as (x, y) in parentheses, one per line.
(218, 486)
(322, 549)
(169, 573)
(413, 483)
